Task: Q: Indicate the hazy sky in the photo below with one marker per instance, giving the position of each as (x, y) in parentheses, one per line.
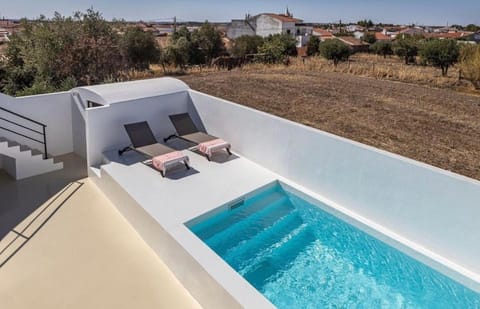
(438, 12)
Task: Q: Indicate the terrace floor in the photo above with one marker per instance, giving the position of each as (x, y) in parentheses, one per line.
(77, 251)
(159, 208)
(185, 194)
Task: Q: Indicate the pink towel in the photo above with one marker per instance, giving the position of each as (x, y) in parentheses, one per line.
(161, 162)
(214, 145)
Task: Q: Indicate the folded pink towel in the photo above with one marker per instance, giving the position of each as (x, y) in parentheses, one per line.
(214, 145)
(161, 162)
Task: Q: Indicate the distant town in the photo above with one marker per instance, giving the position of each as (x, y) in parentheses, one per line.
(265, 24)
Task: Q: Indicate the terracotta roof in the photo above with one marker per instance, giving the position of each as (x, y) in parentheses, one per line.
(451, 35)
(323, 32)
(283, 18)
(351, 41)
(382, 37)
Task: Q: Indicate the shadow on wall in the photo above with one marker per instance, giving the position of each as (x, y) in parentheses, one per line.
(20, 199)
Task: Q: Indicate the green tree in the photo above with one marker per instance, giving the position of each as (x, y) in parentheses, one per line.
(140, 48)
(209, 42)
(177, 53)
(97, 54)
(52, 54)
(470, 64)
(472, 28)
(313, 46)
(246, 44)
(335, 50)
(365, 23)
(382, 48)
(440, 53)
(369, 37)
(406, 48)
(277, 47)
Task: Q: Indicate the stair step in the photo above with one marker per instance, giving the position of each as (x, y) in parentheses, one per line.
(208, 229)
(246, 229)
(267, 268)
(25, 162)
(241, 255)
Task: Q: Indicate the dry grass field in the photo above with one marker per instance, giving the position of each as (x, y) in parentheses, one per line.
(433, 125)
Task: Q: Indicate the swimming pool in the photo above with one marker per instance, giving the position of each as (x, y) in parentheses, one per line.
(299, 256)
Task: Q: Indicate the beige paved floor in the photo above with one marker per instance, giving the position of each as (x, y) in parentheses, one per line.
(85, 255)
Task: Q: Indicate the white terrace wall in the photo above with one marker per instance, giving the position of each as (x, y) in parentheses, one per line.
(434, 208)
(53, 109)
(105, 131)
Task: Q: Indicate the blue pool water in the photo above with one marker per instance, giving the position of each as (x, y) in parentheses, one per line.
(299, 256)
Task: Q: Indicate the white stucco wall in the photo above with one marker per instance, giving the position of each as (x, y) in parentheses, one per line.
(53, 109)
(237, 28)
(434, 208)
(105, 129)
(267, 25)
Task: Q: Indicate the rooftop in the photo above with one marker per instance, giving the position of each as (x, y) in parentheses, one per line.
(77, 251)
(283, 18)
(123, 229)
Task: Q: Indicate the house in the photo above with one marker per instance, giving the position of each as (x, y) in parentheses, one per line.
(323, 34)
(164, 30)
(354, 28)
(355, 45)
(358, 34)
(476, 37)
(114, 221)
(380, 36)
(452, 34)
(266, 24)
(412, 31)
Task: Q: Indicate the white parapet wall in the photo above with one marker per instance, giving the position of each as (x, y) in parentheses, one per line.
(435, 209)
(54, 110)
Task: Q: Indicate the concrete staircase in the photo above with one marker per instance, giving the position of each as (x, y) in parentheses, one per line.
(21, 162)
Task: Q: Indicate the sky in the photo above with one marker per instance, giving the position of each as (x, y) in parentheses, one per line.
(420, 12)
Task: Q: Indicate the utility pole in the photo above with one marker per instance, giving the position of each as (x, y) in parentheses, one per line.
(174, 24)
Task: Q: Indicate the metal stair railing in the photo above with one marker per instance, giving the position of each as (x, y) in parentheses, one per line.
(41, 131)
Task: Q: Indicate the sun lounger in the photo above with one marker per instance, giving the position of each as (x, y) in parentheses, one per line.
(144, 142)
(188, 131)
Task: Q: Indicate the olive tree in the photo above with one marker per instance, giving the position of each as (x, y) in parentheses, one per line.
(140, 48)
(335, 50)
(406, 48)
(440, 53)
(382, 48)
(246, 44)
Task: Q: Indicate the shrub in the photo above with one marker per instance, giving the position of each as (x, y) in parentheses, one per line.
(440, 53)
(382, 48)
(246, 44)
(406, 48)
(470, 64)
(335, 50)
(277, 47)
(140, 48)
(313, 46)
(369, 37)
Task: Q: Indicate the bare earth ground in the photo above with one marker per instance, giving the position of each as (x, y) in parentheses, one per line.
(440, 127)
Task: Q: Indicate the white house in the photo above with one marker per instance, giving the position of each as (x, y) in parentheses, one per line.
(266, 24)
(429, 214)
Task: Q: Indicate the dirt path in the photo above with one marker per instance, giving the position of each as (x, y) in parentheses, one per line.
(437, 126)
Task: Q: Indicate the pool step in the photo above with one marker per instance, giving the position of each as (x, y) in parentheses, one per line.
(233, 216)
(259, 272)
(242, 254)
(246, 229)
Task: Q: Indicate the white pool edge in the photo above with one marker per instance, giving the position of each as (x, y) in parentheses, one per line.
(435, 261)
